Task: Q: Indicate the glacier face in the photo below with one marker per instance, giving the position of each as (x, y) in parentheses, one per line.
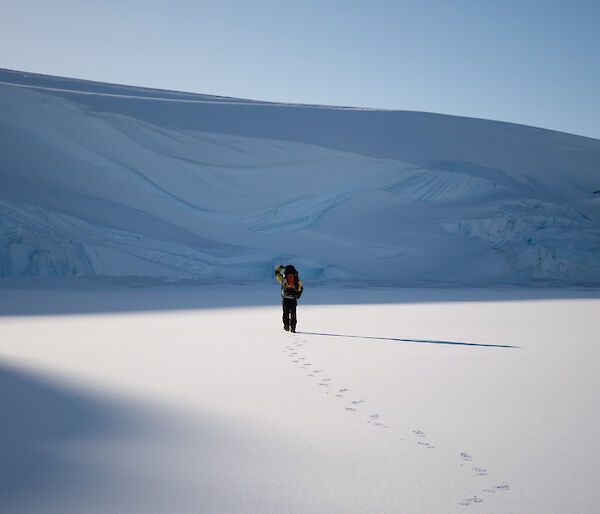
(111, 180)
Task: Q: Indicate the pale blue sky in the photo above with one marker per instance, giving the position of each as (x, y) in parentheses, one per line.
(531, 62)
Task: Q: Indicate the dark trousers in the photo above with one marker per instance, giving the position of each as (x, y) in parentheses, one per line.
(289, 313)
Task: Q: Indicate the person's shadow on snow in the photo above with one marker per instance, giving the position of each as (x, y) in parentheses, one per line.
(423, 341)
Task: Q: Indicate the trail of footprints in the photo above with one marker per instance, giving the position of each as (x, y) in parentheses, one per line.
(354, 406)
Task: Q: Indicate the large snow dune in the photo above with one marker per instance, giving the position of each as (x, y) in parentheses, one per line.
(102, 179)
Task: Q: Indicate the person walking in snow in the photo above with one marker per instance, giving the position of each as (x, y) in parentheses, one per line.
(291, 290)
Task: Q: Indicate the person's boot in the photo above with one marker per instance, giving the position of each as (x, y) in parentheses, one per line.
(286, 328)
(293, 330)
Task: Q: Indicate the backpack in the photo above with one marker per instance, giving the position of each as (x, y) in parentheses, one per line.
(290, 287)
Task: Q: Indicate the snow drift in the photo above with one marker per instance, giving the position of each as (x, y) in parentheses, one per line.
(101, 179)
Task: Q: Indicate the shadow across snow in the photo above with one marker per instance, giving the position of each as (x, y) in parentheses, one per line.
(40, 417)
(64, 450)
(409, 340)
(49, 296)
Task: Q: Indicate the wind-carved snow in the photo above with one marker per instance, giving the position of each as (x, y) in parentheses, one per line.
(434, 185)
(88, 188)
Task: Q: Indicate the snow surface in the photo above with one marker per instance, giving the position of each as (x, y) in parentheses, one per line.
(107, 180)
(181, 399)
(143, 368)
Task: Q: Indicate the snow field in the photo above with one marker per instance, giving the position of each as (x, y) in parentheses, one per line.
(368, 408)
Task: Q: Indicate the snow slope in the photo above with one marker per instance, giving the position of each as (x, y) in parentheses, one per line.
(419, 404)
(101, 179)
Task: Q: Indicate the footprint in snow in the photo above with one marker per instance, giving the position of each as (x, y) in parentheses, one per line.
(374, 419)
(466, 457)
(425, 444)
(470, 501)
(497, 489)
(353, 405)
(503, 487)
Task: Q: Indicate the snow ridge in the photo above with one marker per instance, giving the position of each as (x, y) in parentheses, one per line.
(101, 179)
